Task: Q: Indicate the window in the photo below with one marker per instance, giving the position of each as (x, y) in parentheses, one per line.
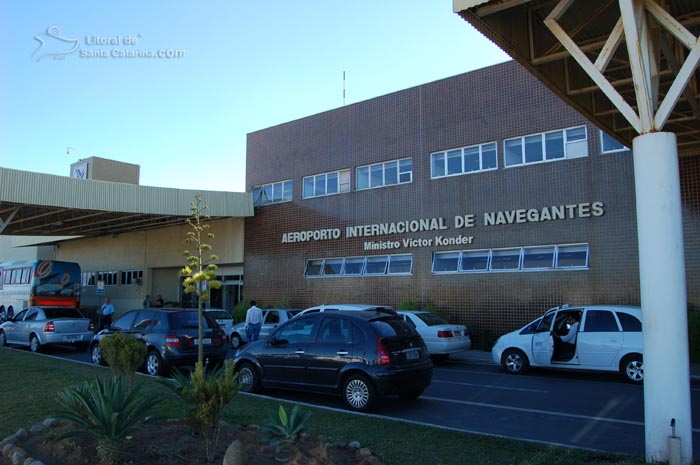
(540, 258)
(608, 144)
(132, 277)
(108, 277)
(326, 184)
(401, 264)
(87, 278)
(547, 146)
(629, 322)
(600, 321)
(464, 160)
(384, 174)
(272, 193)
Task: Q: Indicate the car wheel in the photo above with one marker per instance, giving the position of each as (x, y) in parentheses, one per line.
(34, 344)
(248, 377)
(236, 341)
(515, 361)
(3, 339)
(96, 355)
(359, 393)
(412, 395)
(154, 363)
(632, 366)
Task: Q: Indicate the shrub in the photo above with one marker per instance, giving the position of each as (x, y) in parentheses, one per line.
(282, 303)
(207, 392)
(109, 410)
(408, 305)
(284, 429)
(124, 355)
(239, 311)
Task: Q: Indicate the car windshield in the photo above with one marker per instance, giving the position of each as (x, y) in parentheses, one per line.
(62, 313)
(393, 327)
(189, 320)
(431, 319)
(219, 314)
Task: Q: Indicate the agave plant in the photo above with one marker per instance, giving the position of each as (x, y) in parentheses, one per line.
(109, 410)
(282, 430)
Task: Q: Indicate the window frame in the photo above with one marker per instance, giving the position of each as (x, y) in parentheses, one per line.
(603, 137)
(445, 154)
(569, 143)
(261, 188)
(373, 169)
(340, 176)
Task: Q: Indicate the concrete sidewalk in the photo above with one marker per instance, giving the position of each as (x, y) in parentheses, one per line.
(484, 358)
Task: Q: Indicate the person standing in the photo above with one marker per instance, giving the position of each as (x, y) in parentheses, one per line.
(147, 301)
(159, 301)
(106, 312)
(253, 322)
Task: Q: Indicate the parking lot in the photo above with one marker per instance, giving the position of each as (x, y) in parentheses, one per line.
(469, 393)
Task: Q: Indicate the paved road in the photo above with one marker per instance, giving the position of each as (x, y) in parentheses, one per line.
(591, 411)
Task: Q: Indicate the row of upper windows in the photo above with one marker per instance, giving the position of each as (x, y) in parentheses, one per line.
(534, 148)
(537, 258)
(112, 278)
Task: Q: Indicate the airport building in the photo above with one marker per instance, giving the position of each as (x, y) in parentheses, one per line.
(482, 196)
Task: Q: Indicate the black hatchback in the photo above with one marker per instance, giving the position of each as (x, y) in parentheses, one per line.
(360, 355)
(170, 335)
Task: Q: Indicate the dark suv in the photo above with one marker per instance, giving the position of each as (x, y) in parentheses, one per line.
(170, 334)
(360, 355)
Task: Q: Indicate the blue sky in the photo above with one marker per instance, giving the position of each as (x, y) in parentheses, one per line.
(243, 66)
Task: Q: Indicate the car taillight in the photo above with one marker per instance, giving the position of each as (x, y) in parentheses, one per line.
(382, 353)
(445, 333)
(172, 341)
(49, 327)
(91, 326)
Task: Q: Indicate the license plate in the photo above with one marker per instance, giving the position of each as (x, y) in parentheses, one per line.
(206, 340)
(70, 339)
(412, 355)
(458, 333)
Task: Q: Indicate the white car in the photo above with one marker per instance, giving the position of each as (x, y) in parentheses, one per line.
(346, 308)
(272, 317)
(223, 318)
(609, 338)
(441, 337)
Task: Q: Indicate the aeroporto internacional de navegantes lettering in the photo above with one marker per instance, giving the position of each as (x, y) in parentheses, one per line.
(524, 215)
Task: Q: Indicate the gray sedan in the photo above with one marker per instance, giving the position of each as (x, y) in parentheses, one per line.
(272, 317)
(40, 326)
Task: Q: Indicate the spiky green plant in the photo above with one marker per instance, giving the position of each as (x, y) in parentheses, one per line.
(109, 410)
(207, 391)
(124, 354)
(283, 429)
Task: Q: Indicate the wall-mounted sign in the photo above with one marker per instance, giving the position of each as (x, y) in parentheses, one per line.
(79, 171)
(495, 218)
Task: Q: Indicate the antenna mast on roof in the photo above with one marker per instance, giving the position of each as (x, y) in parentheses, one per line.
(343, 87)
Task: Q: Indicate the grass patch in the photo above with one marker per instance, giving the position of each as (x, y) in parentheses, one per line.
(29, 384)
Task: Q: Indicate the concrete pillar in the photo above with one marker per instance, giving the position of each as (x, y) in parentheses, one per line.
(663, 295)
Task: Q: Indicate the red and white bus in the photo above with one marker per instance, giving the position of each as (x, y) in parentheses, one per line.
(38, 282)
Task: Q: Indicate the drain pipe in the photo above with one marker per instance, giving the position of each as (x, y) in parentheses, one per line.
(674, 446)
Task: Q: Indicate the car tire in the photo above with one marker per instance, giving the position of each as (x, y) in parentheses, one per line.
(154, 363)
(359, 393)
(3, 339)
(236, 341)
(249, 377)
(96, 355)
(632, 367)
(515, 361)
(34, 344)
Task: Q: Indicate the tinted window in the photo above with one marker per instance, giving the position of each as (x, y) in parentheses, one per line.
(143, 320)
(124, 322)
(546, 322)
(431, 319)
(20, 315)
(335, 330)
(392, 327)
(32, 315)
(600, 321)
(272, 317)
(62, 313)
(531, 328)
(190, 320)
(629, 322)
(297, 331)
(219, 314)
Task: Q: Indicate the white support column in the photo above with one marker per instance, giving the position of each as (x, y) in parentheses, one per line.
(663, 295)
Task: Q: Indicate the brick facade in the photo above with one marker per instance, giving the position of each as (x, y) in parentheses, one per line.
(488, 105)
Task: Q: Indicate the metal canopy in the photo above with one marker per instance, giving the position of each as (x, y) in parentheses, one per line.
(563, 43)
(37, 204)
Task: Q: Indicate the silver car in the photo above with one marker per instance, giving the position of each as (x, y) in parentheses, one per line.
(272, 317)
(40, 326)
